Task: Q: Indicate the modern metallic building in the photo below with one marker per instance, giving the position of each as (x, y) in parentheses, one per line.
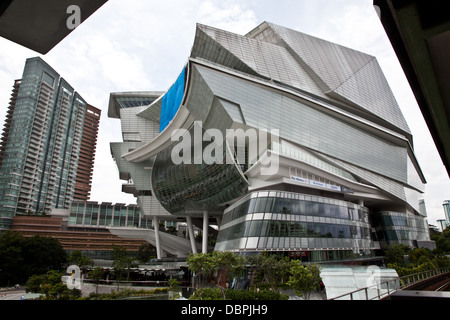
(446, 205)
(50, 131)
(286, 142)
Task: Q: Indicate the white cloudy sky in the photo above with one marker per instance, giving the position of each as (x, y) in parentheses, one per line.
(142, 45)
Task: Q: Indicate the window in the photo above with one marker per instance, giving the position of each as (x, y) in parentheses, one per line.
(123, 216)
(48, 79)
(116, 221)
(94, 220)
(102, 216)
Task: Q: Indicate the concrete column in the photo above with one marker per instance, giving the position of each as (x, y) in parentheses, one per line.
(219, 222)
(191, 234)
(205, 232)
(158, 244)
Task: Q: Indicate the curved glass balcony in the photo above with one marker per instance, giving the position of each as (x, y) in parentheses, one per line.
(284, 221)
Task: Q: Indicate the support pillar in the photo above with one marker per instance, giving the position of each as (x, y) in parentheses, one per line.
(158, 243)
(205, 232)
(219, 222)
(191, 234)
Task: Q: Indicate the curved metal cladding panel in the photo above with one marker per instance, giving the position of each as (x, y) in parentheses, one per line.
(308, 126)
(171, 101)
(307, 63)
(189, 187)
(253, 57)
(349, 74)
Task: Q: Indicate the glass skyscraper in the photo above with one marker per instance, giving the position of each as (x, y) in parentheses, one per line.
(446, 205)
(319, 163)
(45, 130)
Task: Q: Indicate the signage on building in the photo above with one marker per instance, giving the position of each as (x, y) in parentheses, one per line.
(347, 190)
(300, 179)
(298, 254)
(321, 184)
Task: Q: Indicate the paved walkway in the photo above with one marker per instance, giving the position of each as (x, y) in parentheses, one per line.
(16, 294)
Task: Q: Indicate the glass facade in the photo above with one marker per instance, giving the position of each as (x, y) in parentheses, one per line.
(41, 154)
(94, 214)
(398, 227)
(185, 187)
(446, 205)
(284, 221)
(131, 102)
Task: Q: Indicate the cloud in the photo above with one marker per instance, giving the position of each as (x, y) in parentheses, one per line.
(143, 48)
(227, 15)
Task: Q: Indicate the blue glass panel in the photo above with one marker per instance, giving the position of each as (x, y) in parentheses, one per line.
(171, 101)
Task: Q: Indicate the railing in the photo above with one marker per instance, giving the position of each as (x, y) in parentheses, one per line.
(386, 288)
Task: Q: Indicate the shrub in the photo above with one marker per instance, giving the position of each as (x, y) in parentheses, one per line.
(251, 295)
(124, 293)
(207, 294)
(216, 294)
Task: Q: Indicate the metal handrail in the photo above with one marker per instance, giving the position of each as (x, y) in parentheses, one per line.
(398, 284)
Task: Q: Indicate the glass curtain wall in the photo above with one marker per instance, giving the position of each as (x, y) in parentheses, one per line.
(283, 221)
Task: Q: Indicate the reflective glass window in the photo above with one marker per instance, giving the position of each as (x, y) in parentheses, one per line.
(94, 216)
(108, 215)
(251, 205)
(270, 204)
(260, 205)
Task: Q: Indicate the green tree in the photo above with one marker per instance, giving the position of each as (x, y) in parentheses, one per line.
(77, 258)
(174, 284)
(52, 286)
(96, 274)
(11, 258)
(304, 279)
(146, 252)
(224, 263)
(43, 254)
(122, 262)
(220, 263)
(395, 254)
(34, 282)
(442, 240)
(202, 265)
(22, 257)
(420, 254)
(443, 244)
(172, 230)
(269, 269)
